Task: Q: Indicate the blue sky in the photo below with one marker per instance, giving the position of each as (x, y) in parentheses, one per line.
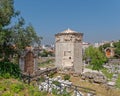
(98, 19)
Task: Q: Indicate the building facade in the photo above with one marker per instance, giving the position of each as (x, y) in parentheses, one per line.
(68, 50)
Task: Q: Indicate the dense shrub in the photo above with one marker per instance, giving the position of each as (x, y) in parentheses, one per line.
(8, 69)
(66, 77)
(51, 74)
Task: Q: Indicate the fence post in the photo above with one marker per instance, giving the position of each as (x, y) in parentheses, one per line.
(48, 85)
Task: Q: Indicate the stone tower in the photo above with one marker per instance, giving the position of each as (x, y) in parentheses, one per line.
(68, 52)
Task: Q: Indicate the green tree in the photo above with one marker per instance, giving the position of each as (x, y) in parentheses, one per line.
(14, 37)
(97, 58)
(6, 12)
(24, 35)
(117, 49)
(103, 47)
(46, 53)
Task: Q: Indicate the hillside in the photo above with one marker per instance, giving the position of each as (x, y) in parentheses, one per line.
(14, 87)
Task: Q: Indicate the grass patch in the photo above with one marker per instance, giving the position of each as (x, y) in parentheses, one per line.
(107, 74)
(17, 87)
(118, 82)
(66, 77)
(47, 63)
(14, 87)
(89, 66)
(104, 71)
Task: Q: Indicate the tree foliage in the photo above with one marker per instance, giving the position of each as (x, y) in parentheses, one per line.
(14, 37)
(6, 12)
(97, 58)
(117, 48)
(24, 35)
(46, 53)
(103, 47)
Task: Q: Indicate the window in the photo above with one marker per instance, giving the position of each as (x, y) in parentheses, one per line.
(67, 53)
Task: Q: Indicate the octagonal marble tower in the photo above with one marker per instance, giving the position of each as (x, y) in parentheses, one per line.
(68, 51)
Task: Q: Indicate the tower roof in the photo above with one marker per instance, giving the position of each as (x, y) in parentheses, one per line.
(69, 31)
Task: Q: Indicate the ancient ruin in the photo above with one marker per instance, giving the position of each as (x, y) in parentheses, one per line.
(28, 61)
(69, 50)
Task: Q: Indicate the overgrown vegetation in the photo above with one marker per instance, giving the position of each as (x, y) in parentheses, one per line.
(117, 49)
(64, 93)
(96, 57)
(13, 87)
(118, 82)
(14, 36)
(56, 83)
(41, 79)
(51, 74)
(9, 69)
(56, 92)
(66, 77)
(45, 53)
(107, 74)
(104, 71)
